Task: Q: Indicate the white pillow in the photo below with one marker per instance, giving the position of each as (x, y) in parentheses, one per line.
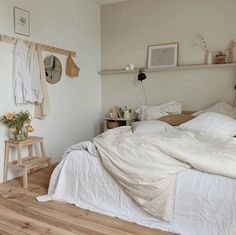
(213, 124)
(151, 127)
(155, 112)
(220, 107)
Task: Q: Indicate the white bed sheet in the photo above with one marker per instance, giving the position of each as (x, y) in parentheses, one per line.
(205, 204)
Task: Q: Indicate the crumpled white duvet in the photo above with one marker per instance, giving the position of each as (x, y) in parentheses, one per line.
(205, 204)
(71, 182)
(147, 165)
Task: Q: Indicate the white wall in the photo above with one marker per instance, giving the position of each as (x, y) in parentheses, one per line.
(75, 103)
(129, 27)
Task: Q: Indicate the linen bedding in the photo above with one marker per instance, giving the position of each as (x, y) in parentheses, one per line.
(147, 165)
(204, 203)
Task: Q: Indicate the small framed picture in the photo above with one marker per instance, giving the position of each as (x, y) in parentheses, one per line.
(163, 55)
(21, 21)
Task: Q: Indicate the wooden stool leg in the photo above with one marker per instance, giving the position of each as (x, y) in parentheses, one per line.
(25, 178)
(30, 150)
(42, 150)
(19, 152)
(6, 159)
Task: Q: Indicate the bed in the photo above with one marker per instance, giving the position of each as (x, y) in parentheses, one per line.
(199, 174)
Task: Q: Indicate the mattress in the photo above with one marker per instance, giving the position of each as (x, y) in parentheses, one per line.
(205, 204)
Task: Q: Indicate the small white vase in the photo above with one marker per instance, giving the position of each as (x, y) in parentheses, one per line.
(126, 114)
(209, 58)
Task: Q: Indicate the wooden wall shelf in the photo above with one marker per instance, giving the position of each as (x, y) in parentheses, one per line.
(177, 68)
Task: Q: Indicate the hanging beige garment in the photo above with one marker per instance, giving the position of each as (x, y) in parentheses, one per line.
(72, 69)
(43, 109)
(35, 78)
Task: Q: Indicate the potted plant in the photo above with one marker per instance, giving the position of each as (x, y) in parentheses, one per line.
(18, 124)
(220, 57)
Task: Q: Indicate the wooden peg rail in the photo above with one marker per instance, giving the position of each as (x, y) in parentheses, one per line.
(13, 40)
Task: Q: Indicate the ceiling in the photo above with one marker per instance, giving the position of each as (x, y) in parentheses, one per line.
(103, 2)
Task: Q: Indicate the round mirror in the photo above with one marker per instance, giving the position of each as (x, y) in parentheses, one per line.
(53, 69)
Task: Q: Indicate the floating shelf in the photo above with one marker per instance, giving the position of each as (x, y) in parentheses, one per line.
(177, 68)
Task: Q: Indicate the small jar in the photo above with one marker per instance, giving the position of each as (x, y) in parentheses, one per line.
(126, 113)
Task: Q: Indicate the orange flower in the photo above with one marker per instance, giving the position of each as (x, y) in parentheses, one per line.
(9, 115)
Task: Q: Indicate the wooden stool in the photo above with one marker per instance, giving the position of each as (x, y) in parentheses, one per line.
(24, 163)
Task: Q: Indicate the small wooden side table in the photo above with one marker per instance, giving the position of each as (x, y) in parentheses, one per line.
(24, 163)
(120, 121)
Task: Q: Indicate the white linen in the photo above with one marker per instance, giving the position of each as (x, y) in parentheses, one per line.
(220, 107)
(155, 112)
(147, 173)
(21, 76)
(204, 204)
(213, 124)
(34, 69)
(147, 165)
(41, 110)
(151, 126)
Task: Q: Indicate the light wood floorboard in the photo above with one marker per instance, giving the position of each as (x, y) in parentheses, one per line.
(21, 214)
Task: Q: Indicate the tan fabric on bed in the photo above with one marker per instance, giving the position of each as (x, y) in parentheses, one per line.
(176, 119)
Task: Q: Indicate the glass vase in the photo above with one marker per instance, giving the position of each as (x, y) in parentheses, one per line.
(20, 135)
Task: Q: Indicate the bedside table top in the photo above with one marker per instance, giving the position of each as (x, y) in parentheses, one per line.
(119, 119)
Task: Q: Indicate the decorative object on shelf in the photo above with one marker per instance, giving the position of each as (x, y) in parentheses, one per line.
(127, 112)
(130, 66)
(220, 57)
(163, 55)
(72, 70)
(21, 21)
(114, 111)
(209, 57)
(232, 44)
(18, 124)
(201, 43)
(53, 69)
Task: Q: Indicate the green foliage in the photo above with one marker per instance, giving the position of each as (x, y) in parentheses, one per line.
(16, 120)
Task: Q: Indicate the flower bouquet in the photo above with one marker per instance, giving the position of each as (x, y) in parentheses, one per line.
(18, 124)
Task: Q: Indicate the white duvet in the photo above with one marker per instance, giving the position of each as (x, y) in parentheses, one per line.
(76, 183)
(147, 165)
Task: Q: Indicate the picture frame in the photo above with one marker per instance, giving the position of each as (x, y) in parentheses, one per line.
(21, 21)
(163, 55)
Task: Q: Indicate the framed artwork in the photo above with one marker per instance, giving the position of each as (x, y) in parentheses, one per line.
(21, 21)
(163, 55)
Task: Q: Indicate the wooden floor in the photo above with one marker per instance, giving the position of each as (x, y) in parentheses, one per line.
(20, 213)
